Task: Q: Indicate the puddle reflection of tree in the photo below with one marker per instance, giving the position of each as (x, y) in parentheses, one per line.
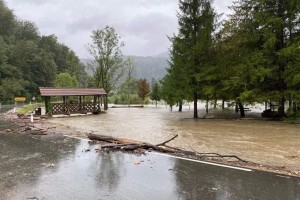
(208, 182)
(111, 169)
(24, 159)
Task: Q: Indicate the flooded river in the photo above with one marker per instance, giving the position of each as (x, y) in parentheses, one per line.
(266, 142)
(57, 167)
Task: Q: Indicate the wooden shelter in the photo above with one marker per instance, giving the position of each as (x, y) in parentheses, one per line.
(74, 100)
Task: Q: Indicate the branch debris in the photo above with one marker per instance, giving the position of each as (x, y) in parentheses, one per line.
(133, 145)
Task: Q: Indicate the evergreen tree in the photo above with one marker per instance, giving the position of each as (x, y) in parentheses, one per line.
(155, 92)
(272, 31)
(191, 52)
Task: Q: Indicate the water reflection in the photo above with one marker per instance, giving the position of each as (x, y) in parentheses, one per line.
(110, 169)
(211, 182)
(24, 159)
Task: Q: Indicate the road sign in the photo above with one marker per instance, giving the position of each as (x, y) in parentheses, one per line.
(20, 99)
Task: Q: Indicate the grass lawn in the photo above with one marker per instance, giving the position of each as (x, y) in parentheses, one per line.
(27, 109)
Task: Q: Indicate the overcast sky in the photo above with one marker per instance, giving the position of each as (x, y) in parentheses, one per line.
(143, 24)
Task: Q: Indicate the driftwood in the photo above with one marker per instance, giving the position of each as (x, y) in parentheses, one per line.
(131, 145)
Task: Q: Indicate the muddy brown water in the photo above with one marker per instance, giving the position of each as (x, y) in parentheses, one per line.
(265, 142)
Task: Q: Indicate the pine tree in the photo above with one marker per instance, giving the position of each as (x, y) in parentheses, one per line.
(191, 50)
(272, 30)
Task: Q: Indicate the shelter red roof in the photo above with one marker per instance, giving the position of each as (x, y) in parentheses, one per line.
(48, 91)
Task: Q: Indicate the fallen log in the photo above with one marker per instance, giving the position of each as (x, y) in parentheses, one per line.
(109, 139)
(131, 145)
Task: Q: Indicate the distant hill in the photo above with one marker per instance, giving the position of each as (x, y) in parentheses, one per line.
(146, 67)
(163, 55)
(150, 67)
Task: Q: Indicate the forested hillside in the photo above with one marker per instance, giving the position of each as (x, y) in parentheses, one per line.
(29, 60)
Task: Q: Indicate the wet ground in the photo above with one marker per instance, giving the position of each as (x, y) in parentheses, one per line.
(266, 142)
(54, 167)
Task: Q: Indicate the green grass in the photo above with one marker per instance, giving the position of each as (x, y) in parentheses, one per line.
(27, 109)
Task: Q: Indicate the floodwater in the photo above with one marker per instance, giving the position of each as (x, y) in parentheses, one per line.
(64, 168)
(265, 142)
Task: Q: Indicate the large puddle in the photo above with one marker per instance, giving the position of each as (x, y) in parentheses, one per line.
(266, 142)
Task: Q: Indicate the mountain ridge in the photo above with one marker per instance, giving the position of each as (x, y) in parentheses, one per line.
(149, 67)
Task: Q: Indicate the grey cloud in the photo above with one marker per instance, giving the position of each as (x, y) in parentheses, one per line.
(89, 23)
(142, 24)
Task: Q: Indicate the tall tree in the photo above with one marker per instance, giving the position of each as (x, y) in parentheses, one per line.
(106, 51)
(27, 30)
(129, 86)
(7, 20)
(196, 20)
(273, 28)
(65, 80)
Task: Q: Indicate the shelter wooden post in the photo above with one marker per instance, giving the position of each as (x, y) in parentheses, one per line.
(94, 103)
(105, 103)
(48, 105)
(83, 104)
(80, 104)
(99, 105)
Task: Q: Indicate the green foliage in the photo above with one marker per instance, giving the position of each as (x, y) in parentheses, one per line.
(28, 60)
(123, 99)
(268, 33)
(7, 20)
(10, 88)
(128, 87)
(65, 80)
(254, 57)
(106, 51)
(26, 31)
(191, 52)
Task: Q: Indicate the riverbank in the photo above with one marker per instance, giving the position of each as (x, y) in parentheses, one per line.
(268, 146)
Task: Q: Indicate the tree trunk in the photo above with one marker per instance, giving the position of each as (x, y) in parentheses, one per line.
(195, 105)
(281, 107)
(294, 106)
(242, 111)
(223, 104)
(215, 103)
(236, 108)
(180, 107)
(281, 65)
(206, 106)
(290, 101)
(156, 103)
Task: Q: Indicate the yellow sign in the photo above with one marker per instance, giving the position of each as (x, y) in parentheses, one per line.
(20, 99)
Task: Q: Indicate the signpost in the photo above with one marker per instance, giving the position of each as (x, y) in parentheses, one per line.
(18, 99)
